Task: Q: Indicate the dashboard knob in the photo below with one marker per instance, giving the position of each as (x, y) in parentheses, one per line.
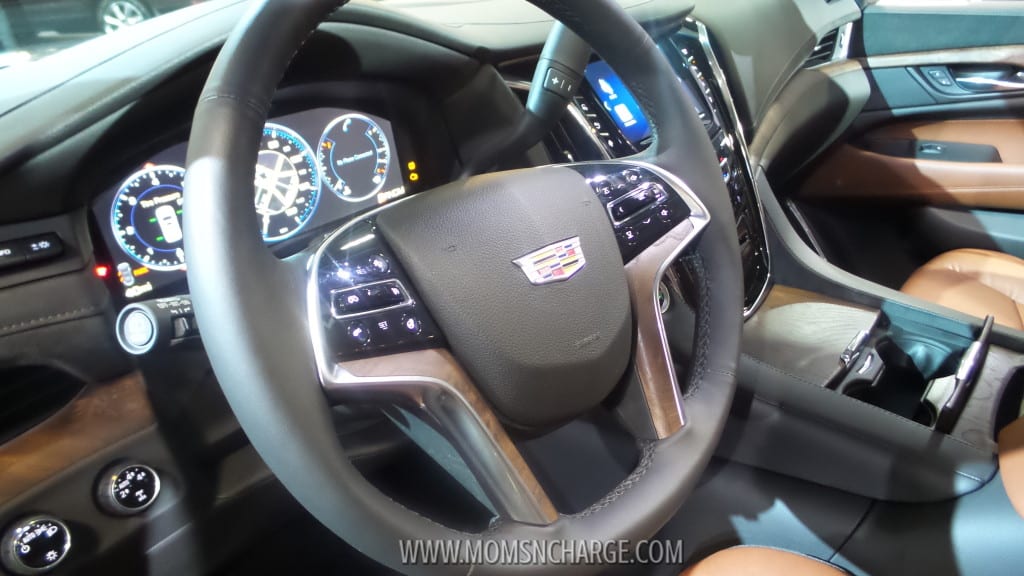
(35, 545)
(144, 326)
(138, 329)
(127, 489)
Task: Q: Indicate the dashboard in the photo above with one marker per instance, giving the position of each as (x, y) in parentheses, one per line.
(93, 155)
(314, 167)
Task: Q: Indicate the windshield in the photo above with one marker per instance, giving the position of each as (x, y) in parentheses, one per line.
(31, 29)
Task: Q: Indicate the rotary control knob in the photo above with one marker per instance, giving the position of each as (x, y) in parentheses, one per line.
(35, 545)
(126, 490)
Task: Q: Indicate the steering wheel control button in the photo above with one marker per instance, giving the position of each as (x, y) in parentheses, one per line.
(367, 305)
(635, 203)
(412, 325)
(380, 264)
(385, 295)
(560, 82)
(632, 177)
(35, 545)
(359, 333)
(125, 490)
(642, 205)
(351, 301)
(369, 299)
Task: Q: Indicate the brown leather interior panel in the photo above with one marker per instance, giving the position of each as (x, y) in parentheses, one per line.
(1006, 134)
(848, 172)
(101, 416)
(976, 282)
(1011, 463)
(756, 561)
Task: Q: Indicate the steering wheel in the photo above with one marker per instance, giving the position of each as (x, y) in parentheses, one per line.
(535, 293)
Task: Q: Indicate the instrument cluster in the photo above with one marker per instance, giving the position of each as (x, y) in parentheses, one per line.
(313, 168)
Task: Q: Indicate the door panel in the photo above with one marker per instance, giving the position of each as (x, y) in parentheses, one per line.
(938, 147)
(894, 164)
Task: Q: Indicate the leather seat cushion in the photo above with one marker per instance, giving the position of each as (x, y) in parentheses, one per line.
(976, 282)
(1011, 463)
(758, 561)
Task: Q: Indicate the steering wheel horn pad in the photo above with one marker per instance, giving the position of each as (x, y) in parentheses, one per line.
(280, 384)
(541, 355)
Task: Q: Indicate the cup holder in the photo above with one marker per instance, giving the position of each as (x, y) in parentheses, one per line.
(906, 367)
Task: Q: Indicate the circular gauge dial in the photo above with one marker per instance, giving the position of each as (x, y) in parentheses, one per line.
(355, 156)
(146, 217)
(287, 183)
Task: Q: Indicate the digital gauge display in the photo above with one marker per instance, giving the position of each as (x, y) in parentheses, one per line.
(355, 156)
(287, 183)
(146, 217)
(297, 189)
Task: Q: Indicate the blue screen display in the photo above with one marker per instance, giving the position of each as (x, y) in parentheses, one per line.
(618, 101)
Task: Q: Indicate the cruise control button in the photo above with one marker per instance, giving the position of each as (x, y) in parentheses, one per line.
(384, 295)
(359, 333)
(380, 264)
(351, 301)
(412, 324)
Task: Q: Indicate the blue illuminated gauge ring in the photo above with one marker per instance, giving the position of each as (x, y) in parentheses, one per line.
(146, 217)
(355, 157)
(287, 183)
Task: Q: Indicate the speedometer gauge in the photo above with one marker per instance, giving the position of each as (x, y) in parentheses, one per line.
(355, 156)
(146, 217)
(287, 183)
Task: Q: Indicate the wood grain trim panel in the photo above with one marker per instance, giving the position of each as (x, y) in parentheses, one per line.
(786, 295)
(653, 358)
(102, 415)
(851, 173)
(1013, 54)
(441, 365)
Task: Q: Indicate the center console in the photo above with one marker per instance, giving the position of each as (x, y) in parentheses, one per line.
(894, 403)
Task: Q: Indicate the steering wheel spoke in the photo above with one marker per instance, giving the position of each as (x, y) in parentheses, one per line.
(376, 343)
(432, 385)
(656, 217)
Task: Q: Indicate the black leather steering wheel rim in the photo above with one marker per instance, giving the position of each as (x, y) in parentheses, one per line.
(261, 355)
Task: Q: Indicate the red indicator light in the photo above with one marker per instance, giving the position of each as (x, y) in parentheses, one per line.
(102, 271)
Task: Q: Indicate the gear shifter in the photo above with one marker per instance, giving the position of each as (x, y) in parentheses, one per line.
(957, 389)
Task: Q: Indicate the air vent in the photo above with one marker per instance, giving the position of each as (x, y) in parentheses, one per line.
(824, 52)
(832, 47)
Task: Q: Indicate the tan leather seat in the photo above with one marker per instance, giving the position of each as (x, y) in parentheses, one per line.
(757, 561)
(1011, 463)
(977, 282)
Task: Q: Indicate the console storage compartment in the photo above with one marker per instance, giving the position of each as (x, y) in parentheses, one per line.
(905, 358)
